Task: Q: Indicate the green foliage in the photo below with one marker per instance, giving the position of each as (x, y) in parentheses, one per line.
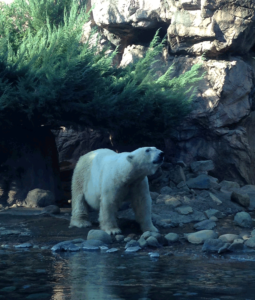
(47, 76)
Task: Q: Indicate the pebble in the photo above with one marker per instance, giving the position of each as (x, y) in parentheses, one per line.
(201, 236)
(172, 237)
(243, 219)
(154, 254)
(132, 243)
(184, 210)
(90, 248)
(25, 245)
(146, 234)
(93, 243)
(45, 247)
(112, 250)
(153, 242)
(250, 242)
(237, 245)
(132, 249)
(142, 242)
(206, 224)
(103, 248)
(253, 233)
(229, 238)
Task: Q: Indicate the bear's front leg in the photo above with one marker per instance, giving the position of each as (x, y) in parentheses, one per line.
(141, 204)
(79, 213)
(107, 217)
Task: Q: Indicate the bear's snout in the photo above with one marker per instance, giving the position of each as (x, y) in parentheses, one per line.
(159, 158)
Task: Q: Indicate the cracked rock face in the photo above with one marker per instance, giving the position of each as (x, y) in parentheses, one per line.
(221, 125)
(214, 26)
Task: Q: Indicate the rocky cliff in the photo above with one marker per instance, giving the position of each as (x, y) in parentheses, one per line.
(221, 125)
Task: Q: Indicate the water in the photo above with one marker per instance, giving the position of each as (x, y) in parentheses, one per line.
(37, 274)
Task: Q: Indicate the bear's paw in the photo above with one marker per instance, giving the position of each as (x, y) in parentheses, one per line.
(80, 223)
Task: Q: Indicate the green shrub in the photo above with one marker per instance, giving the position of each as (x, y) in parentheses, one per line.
(47, 76)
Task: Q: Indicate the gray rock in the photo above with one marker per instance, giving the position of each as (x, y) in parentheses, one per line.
(182, 185)
(103, 248)
(9, 232)
(47, 247)
(253, 233)
(213, 218)
(169, 200)
(65, 246)
(133, 249)
(212, 245)
(153, 242)
(71, 247)
(229, 185)
(112, 250)
(215, 199)
(242, 199)
(201, 236)
(127, 239)
(184, 210)
(154, 195)
(90, 248)
(229, 238)
(142, 242)
(154, 254)
(243, 219)
(119, 238)
(172, 237)
(200, 182)
(166, 190)
(202, 166)
(99, 235)
(39, 198)
(250, 242)
(78, 240)
(132, 243)
(237, 245)
(224, 248)
(146, 234)
(51, 209)
(206, 224)
(24, 245)
(249, 190)
(160, 238)
(92, 243)
(213, 212)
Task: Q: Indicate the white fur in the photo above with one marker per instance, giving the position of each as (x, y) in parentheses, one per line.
(104, 179)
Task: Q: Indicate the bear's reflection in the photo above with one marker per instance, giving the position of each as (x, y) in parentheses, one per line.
(102, 276)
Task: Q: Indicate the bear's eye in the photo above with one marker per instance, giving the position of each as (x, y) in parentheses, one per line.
(148, 150)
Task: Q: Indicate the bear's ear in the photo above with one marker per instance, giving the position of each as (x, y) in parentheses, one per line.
(130, 157)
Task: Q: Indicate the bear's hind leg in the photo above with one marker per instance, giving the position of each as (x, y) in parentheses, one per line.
(79, 213)
(107, 218)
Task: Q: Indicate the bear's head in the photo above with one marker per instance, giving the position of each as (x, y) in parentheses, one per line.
(146, 160)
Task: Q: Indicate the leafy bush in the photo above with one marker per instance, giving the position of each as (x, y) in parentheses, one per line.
(47, 76)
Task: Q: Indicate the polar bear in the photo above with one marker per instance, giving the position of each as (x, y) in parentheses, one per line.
(103, 179)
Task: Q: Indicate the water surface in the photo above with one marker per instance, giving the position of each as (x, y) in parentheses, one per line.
(37, 274)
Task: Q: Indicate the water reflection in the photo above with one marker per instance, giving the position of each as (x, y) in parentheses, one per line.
(100, 276)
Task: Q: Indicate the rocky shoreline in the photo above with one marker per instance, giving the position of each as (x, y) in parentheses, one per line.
(194, 212)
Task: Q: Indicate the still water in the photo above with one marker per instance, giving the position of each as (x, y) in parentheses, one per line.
(37, 274)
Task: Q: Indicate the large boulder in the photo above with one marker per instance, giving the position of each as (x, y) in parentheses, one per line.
(39, 198)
